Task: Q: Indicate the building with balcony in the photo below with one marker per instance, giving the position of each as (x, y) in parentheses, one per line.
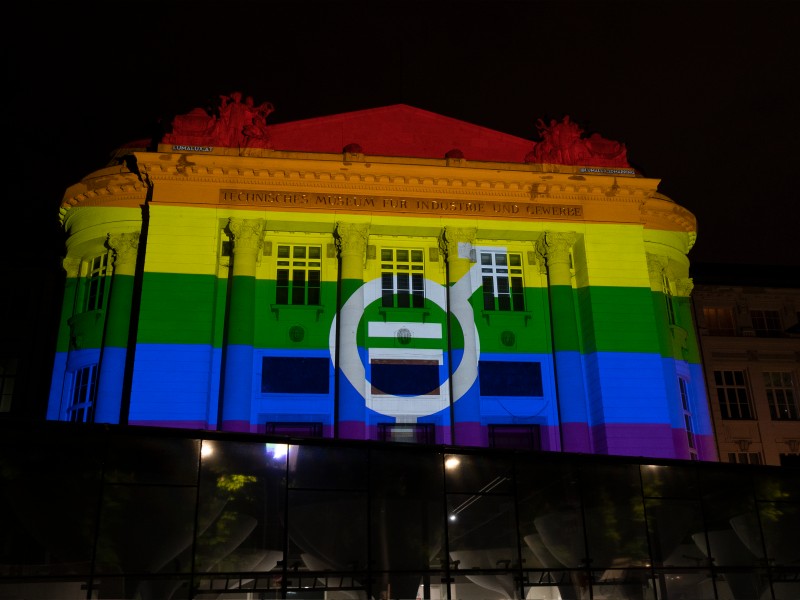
(750, 342)
(387, 274)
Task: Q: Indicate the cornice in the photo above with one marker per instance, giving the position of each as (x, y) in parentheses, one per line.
(422, 178)
(435, 178)
(109, 187)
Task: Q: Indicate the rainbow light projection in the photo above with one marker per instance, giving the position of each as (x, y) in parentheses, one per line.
(382, 274)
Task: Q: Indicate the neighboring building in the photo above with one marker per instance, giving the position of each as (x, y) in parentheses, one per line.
(387, 274)
(750, 342)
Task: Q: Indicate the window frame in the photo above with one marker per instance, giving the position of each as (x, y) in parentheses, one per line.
(96, 282)
(789, 401)
(683, 387)
(501, 296)
(292, 290)
(395, 292)
(766, 322)
(83, 394)
(733, 393)
(714, 316)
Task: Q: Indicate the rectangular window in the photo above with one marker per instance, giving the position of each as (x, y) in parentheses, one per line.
(687, 417)
(96, 282)
(781, 396)
(501, 275)
(402, 278)
(412, 433)
(719, 320)
(84, 392)
(733, 395)
(515, 437)
(766, 323)
(500, 378)
(297, 280)
(295, 375)
(745, 458)
(404, 377)
(292, 429)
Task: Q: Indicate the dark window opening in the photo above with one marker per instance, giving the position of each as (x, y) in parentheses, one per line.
(515, 437)
(301, 375)
(499, 378)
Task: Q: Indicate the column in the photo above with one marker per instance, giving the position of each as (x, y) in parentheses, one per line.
(567, 358)
(351, 239)
(463, 362)
(656, 268)
(125, 247)
(72, 267)
(248, 237)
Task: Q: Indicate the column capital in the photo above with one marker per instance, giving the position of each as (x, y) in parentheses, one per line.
(72, 265)
(457, 241)
(684, 286)
(352, 238)
(248, 235)
(125, 247)
(555, 246)
(656, 268)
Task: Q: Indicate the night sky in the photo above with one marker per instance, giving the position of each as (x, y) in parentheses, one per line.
(705, 95)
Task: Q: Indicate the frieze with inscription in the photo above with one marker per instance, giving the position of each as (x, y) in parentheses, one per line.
(287, 200)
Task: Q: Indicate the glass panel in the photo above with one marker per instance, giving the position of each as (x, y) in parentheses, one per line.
(241, 512)
(669, 482)
(65, 588)
(550, 518)
(673, 526)
(778, 485)
(318, 542)
(614, 516)
(780, 522)
(475, 473)
(327, 468)
(406, 519)
(731, 518)
(141, 460)
(742, 584)
(481, 531)
(694, 584)
(146, 529)
(283, 251)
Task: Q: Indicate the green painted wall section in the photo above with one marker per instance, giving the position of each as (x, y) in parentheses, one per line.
(276, 326)
(118, 321)
(622, 320)
(177, 309)
(564, 318)
(68, 305)
(531, 328)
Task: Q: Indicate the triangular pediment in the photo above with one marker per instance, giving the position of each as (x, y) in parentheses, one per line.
(399, 130)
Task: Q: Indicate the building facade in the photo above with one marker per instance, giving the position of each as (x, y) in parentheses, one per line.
(750, 343)
(388, 274)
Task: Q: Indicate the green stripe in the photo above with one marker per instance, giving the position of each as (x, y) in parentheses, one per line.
(622, 320)
(530, 328)
(177, 309)
(119, 312)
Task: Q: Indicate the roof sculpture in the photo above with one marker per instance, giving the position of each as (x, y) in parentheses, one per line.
(397, 130)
